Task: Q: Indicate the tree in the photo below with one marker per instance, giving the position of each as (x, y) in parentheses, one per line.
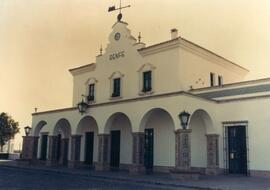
(8, 129)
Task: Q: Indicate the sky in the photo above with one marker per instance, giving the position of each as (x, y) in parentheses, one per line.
(40, 40)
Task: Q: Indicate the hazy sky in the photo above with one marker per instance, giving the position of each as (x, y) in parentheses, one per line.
(41, 39)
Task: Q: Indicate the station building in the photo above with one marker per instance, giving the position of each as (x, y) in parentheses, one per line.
(136, 95)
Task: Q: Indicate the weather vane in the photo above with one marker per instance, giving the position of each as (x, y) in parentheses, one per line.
(113, 8)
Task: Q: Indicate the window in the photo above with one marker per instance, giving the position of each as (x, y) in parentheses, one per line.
(220, 80)
(116, 87)
(91, 93)
(146, 78)
(90, 89)
(212, 79)
(147, 81)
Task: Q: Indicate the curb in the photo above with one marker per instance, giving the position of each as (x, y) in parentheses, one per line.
(136, 181)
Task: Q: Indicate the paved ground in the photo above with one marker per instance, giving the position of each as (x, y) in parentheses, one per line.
(24, 179)
(64, 178)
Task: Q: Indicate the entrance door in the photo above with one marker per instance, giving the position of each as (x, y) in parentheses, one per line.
(58, 152)
(65, 152)
(115, 149)
(237, 150)
(149, 149)
(89, 147)
(44, 140)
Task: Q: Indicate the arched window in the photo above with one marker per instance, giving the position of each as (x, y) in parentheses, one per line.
(91, 89)
(116, 80)
(146, 76)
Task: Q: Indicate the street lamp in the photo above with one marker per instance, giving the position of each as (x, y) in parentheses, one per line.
(27, 130)
(82, 106)
(184, 117)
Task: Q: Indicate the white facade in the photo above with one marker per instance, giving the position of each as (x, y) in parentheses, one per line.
(180, 80)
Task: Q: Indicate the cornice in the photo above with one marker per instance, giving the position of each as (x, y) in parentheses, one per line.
(177, 93)
(156, 48)
(83, 69)
(121, 101)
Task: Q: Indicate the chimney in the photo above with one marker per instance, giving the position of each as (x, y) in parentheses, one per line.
(174, 33)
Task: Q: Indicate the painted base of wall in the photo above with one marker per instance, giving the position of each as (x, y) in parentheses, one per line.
(102, 166)
(213, 171)
(52, 163)
(260, 173)
(80, 164)
(135, 169)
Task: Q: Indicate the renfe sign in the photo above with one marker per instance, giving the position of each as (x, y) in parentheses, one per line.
(117, 55)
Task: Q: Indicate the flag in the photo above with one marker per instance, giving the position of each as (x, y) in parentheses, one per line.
(111, 8)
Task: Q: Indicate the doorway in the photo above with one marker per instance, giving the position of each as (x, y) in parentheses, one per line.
(89, 148)
(237, 149)
(65, 151)
(115, 149)
(149, 149)
(58, 152)
(44, 140)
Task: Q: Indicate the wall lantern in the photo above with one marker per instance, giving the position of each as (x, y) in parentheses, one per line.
(27, 130)
(82, 106)
(184, 117)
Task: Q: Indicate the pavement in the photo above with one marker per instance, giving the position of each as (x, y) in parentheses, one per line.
(160, 180)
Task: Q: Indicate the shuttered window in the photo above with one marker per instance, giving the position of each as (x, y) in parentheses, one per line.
(220, 80)
(91, 94)
(212, 79)
(147, 81)
(116, 87)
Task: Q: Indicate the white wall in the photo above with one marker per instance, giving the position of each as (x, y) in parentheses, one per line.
(177, 67)
(195, 70)
(255, 111)
(122, 123)
(164, 138)
(89, 128)
(198, 142)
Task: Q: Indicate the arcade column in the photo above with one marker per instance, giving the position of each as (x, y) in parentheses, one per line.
(137, 154)
(182, 149)
(52, 151)
(103, 163)
(212, 154)
(75, 151)
(30, 147)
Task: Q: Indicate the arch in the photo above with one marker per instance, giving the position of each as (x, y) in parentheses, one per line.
(62, 127)
(204, 115)
(200, 123)
(160, 123)
(90, 81)
(146, 67)
(62, 130)
(116, 74)
(119, 126)
(38, 128)
(112, 118)
(85, 122)
(148, 114)
(87, 128)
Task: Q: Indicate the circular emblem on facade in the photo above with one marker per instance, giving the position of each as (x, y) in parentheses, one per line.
(117, 36)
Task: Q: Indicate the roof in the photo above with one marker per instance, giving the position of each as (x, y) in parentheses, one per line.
(253, 88)
(183, 40)
(83, 68)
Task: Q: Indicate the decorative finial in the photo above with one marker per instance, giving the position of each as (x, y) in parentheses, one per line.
(119, 16)
(139, 37)
(100, 50)
(36, 110)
